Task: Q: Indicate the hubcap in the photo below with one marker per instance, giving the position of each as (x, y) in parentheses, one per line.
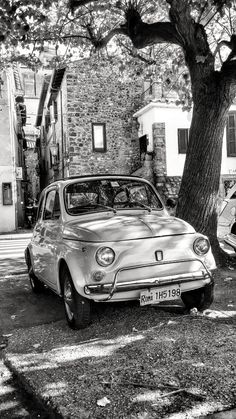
(68, 299)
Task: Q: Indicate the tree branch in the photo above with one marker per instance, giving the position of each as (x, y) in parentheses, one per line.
(228, 71)
(99, 43)
(75, 4)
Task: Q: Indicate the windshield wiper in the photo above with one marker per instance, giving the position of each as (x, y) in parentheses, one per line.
(103, 206)
(149, 209)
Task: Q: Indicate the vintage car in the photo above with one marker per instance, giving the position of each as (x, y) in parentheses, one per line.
(109, 238)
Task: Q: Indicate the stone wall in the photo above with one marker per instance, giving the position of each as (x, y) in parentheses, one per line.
(97, 92)
(168, 186)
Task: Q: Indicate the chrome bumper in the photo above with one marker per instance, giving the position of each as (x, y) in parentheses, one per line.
(115, 286)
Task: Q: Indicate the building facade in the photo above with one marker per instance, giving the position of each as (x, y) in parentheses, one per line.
(86, 123)
(12, 173)
(165, 126)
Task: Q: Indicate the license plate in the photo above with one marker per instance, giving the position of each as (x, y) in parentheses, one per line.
(157, 295)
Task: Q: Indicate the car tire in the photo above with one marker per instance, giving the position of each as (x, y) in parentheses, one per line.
(36, 285)
(77, 308)
(201, 298)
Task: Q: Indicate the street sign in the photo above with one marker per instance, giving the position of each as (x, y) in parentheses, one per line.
(19, 173)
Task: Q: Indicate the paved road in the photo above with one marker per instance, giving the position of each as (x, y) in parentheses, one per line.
(19, 308)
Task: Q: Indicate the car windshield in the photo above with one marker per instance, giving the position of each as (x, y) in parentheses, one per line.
(110, 194)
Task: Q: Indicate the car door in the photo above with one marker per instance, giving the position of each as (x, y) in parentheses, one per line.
(51, 238)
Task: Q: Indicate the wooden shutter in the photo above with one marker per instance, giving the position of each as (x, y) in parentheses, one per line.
(231, 135)
(182, 140)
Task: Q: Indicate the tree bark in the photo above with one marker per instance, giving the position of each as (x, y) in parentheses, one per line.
(198, 194)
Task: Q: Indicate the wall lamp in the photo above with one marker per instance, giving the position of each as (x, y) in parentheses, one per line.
(54, 153)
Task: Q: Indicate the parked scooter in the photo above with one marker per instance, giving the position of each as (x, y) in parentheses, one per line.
(29, 215)
(31, 212)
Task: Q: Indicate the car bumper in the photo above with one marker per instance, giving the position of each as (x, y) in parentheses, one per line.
(230, 241)
(130, 289)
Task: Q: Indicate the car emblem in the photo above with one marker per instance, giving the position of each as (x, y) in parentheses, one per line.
(159, 255)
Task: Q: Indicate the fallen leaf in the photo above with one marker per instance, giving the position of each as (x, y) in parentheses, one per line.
(36, 345)
(3, 345)
(198, 364)
(194, 311)
(228, 279)
(103, 402)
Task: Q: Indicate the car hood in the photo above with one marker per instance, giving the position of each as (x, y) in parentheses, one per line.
(125, 227)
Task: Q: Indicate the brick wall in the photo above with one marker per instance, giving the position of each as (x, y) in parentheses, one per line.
(97, 92)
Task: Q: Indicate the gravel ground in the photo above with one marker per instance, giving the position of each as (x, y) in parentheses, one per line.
(134, 363)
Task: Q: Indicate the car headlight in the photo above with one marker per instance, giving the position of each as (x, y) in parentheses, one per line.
(201, 246)
(105, 256)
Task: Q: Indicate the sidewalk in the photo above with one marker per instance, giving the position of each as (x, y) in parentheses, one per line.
(17, 234)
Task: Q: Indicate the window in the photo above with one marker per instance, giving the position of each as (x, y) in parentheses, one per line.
(52, 206)
(106, 194)
(40, 208)
(99, 137)
(183, 140)
(231, 134)
(29, 82)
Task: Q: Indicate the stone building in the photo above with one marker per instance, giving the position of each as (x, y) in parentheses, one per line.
(93, 118)
(86, 123)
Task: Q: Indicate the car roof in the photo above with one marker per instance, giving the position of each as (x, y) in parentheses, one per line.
(66, 180)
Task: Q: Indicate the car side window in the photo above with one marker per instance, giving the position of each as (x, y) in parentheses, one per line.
(52, 206)
(40, 208)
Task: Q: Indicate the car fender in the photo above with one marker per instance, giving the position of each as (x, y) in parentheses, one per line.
(74, 265)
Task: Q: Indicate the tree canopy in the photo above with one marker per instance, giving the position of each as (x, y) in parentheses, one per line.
(199, 30)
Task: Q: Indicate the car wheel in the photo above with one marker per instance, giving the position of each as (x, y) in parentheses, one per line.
(201, 298)
(36, 285)
(77, 308)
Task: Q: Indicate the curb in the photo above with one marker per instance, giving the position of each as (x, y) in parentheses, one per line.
(15, 236)
(47, 406)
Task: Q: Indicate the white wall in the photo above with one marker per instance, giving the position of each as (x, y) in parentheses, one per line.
(7, 156)
(7, 212)
(175, 118)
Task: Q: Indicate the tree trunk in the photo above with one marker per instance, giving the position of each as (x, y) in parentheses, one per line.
(198, 194)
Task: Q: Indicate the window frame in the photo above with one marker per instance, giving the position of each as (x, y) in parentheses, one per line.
(104, 140)
(53, 217)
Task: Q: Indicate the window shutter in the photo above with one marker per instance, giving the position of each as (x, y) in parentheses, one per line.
(231, 135)
(182, 140)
